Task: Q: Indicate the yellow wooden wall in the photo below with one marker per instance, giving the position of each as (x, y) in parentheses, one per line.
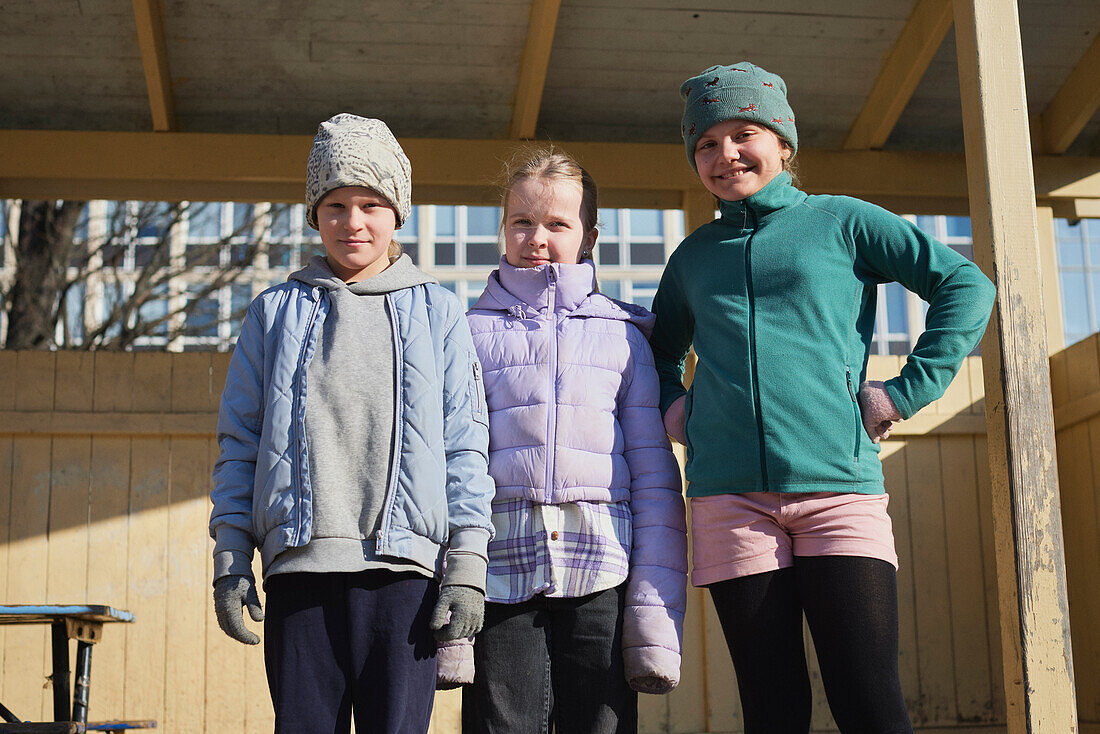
(105, 464)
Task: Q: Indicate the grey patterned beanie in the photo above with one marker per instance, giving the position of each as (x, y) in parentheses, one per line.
(349, 150)
(741, 91)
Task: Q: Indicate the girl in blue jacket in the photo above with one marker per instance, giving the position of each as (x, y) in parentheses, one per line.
(354, 444)
(788, 508)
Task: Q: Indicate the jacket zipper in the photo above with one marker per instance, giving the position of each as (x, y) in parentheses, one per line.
(754, 371)
(855, 404)
(398, 419)
(552, 369)
(299, 438)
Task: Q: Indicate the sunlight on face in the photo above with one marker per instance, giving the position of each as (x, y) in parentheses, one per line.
(542, 223)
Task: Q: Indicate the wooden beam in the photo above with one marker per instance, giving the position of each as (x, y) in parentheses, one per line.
(1027, 526)
(534, 62)
(1051, 287)
(209, 166)
(149, 19)
(902, 71)
(1074, 104)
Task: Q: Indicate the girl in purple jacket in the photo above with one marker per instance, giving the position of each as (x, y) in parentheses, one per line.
(586, 584)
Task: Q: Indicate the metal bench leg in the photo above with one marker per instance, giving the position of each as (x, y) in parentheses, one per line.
(82, 681)
(60, 671)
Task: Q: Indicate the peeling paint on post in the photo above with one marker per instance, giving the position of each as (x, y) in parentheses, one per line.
(1038, 667)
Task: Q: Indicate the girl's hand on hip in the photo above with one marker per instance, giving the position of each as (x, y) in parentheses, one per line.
(674, 420)
(877, 409)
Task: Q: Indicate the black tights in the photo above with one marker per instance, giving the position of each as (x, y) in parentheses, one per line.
(851, 605)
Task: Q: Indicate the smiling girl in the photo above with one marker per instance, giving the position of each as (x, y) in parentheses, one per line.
(777, 297)
(587, 570)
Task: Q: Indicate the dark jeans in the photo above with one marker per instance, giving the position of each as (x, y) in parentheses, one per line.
(335, 643)
(552, 665)
(851, 605)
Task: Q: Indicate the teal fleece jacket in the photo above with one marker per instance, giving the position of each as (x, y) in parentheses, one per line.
(778, 298)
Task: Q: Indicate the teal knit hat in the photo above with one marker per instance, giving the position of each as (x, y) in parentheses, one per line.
(741, 91)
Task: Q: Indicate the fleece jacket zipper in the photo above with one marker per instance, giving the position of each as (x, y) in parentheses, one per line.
(754, 374)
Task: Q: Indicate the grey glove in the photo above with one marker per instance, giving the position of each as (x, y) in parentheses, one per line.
(459, 613)
(230, 594)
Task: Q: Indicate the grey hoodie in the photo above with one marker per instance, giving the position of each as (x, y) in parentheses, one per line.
(349, 421)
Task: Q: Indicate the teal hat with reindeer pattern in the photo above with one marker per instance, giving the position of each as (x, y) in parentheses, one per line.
(740, 91)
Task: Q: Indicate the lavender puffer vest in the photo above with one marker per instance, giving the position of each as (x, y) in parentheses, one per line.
(573, 415)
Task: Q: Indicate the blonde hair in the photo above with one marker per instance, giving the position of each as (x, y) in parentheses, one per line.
(548, 164)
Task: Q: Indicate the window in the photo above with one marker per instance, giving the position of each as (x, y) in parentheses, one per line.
(1078, 247)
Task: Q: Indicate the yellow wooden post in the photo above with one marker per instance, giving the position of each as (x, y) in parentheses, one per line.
(1038, 669)
(1052, 289)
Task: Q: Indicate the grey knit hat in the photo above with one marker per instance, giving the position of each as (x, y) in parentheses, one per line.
(349, 150)
(741, 91)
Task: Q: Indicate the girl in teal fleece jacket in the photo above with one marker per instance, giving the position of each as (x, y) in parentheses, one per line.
(777, 297)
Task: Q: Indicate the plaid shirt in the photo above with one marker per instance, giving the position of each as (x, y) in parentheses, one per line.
(567, 550)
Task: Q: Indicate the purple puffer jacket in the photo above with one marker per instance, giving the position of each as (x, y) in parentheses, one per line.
(573, 415)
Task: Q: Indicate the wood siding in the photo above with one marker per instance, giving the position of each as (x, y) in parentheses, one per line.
(105, 463)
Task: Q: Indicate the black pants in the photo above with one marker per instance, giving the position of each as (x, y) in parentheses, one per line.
(335, 643)
(552, 665)
(851, 605)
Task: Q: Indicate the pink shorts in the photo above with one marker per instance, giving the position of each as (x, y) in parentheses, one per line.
(734, 535)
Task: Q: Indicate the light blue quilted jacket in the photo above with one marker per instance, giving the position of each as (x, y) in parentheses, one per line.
(439, 492)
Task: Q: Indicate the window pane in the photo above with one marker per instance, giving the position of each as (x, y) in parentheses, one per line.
(145, 254)
(1092, 237)
(897, 320)
(1095, 277)
(1070, 252)
(202, 319)
(205, 220)
(958, 227)
(278, 256)
(647, 253)
(199, 256)
(607, 252)
(152, 218)
(482, 253)
(444, 253)
(412, 225)
(611, 288)
(966, 251)
(898, 347)
(448, 284)
(74, 312)
(412, 250)
(240, 295)
(243, 214)
(154, 310)
(608, 223)
(445, 221)
(79, 234)
(308, 250)
(1075, 303)
(927, 223)
(482, 221)
(645, 223)
(282, 226)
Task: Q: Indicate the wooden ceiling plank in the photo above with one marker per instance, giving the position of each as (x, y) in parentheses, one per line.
(149, 19)
(533, 66)
(1074, 104)
(902, 71)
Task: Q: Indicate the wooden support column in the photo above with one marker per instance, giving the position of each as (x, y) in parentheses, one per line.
(1051, 286)
(1027, 525)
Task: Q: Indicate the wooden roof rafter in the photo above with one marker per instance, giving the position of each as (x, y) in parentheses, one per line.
(1074, 104)
(149, 18)
(900, 74)
(534, 63)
